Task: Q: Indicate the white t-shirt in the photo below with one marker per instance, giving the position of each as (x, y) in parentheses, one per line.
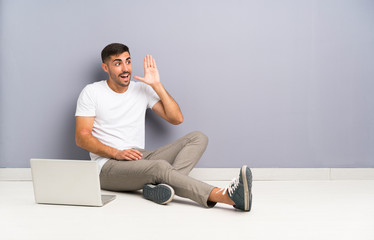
(119, 117)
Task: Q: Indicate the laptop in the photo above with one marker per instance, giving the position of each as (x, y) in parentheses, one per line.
(68, 182)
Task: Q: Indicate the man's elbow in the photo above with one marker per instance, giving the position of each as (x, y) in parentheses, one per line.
(78, 141)
(178, 120)
(80, 137)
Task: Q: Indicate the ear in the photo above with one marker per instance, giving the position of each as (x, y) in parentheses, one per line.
(105, 67)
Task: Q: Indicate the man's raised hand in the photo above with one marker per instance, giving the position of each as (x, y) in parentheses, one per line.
(151, 75)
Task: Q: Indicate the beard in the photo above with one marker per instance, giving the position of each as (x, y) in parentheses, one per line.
(121, 81)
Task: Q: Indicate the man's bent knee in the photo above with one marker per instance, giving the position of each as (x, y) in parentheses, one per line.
(161, 165)
(199, 137)
(160, 170)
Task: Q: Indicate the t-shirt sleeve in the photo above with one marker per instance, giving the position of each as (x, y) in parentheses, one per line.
(85, 105)
(152, 96)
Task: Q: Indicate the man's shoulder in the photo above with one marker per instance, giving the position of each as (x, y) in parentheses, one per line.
(95, 86)
(99, 84)
(140, 86)
(137, 84)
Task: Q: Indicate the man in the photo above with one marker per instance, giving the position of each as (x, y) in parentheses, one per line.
(110, 120)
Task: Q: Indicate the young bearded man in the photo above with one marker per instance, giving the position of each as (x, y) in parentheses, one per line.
(110, 122)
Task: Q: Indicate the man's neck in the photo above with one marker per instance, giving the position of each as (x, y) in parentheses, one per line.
(115, 87)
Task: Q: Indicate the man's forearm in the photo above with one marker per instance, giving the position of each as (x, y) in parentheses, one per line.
(92, 144)
(171, 107)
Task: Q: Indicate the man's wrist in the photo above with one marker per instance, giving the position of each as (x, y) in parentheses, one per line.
(156, 85)
(114, 153)
(159, 89)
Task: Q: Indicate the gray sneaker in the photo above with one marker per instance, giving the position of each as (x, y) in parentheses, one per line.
(161, 193)
(240, 190)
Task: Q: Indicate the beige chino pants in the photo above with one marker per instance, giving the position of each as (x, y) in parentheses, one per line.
(170, 164)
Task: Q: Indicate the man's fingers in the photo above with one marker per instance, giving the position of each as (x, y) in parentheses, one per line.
(154, 63)
(150, 59)
(128, 159)
(149, 62)
(129, 155)
(145, 63)
(134, 154)
(137, 152)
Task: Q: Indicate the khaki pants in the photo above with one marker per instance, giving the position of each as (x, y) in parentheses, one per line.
(170, 164)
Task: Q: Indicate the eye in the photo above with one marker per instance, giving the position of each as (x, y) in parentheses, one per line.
(117, 64)
(128, 62)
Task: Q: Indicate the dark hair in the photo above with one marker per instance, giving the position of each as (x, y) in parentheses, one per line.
(113, 49)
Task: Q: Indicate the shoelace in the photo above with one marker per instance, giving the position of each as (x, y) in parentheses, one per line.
(232, 186)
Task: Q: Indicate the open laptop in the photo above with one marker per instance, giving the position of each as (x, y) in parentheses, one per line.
(68, 182)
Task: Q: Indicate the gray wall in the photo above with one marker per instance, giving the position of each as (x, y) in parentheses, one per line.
(272, 83)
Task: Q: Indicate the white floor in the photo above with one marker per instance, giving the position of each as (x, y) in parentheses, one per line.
(281, 210)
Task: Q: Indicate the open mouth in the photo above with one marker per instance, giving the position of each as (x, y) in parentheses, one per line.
(125, 76)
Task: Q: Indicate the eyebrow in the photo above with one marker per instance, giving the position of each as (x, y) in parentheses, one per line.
(120, 60)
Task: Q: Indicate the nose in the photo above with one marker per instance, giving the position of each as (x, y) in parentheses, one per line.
(125, 68)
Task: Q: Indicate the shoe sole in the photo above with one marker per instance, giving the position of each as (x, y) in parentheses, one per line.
(247, 194)
(150, 194)
(171, 195)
